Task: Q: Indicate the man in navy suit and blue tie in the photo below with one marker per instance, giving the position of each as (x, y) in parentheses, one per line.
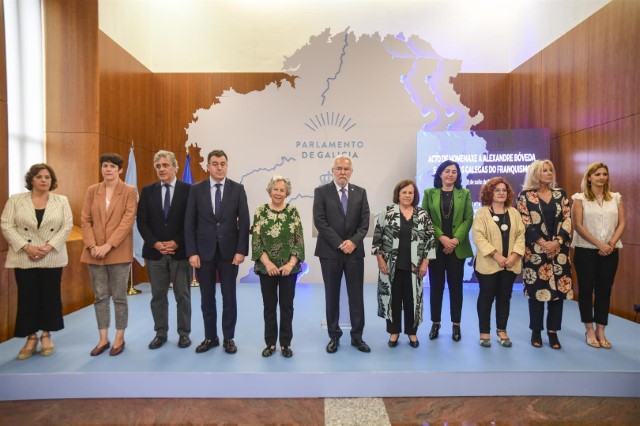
(217, 241)
(341, 215)
(161, 212)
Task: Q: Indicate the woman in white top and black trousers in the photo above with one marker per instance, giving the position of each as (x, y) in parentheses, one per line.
(598, 217)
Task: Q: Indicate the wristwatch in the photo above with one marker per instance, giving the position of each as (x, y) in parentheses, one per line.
(560, 240)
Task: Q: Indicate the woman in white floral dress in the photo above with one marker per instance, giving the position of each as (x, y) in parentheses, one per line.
(546, 274)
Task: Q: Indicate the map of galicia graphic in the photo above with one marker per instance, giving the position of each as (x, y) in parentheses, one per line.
(370, 97)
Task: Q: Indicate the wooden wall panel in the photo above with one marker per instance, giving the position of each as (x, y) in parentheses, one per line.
(525, 95)
(4, 165)
(74, 157)
(584, 88)
(565, 80)
(485, 93)
(77, 291)
(614, 65)
(8, 292)
(71, 65)
(178, 96)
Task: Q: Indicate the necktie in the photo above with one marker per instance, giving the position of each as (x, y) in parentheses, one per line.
(343, 200)
(167, 200)
(218, 200)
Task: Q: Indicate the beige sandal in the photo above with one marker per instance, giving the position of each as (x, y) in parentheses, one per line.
(26, 352)
(46, 350)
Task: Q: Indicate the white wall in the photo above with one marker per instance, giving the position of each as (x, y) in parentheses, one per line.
(254, 35)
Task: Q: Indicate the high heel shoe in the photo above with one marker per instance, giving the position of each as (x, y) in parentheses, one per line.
(46, 350)
(591, 342)
(414, 343)
(554, 342)
(393, 343)
(435, 331)
(26, 352)
(456, 334)
(536, 339)
(505, 342)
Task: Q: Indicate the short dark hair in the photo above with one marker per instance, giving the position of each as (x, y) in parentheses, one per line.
(112, 157)
(217, 153)
(403, 184)
(486, 192)
(437, 180)
(34, 170)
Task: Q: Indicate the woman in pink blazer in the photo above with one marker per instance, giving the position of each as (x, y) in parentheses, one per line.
(107, 220)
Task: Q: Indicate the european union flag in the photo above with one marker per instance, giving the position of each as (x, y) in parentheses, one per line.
(186, 173)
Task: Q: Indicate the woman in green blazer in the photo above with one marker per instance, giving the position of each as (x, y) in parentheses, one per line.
(452, 215)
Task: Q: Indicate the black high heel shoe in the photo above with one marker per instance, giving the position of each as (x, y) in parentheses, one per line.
(435, 331)
(536, 339)
(554, 342)
(393, 343)
(456, 334)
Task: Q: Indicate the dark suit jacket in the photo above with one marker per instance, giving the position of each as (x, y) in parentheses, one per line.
(151, 222)
(229, 230)
(332, 224)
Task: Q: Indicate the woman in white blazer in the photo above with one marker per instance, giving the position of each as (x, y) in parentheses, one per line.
(36, 224)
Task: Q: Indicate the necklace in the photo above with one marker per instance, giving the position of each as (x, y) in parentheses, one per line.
(500, 221)
(446, 214)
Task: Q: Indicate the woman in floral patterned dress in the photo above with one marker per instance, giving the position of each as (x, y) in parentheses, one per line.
(403, 243)
(278, 250)
(546, 215)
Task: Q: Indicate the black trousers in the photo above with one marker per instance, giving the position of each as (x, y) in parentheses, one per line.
(595, 280)
(449, 267)
(353, 269)
(554, 315)
(498, 286)
(39, 301)
(402, 294)
(271, 287)
(207, 277)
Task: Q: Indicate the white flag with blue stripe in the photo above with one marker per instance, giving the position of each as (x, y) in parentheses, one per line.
(131, 177)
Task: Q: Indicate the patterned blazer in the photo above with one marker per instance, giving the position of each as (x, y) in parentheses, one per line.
(546, 278)
(386, 238)
(20, 227)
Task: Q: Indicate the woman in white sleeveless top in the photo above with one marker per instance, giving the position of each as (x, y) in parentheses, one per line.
(598, 217)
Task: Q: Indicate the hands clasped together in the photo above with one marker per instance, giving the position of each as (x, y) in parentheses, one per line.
(36, 254)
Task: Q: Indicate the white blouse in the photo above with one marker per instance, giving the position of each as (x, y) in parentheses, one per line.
(600, 221)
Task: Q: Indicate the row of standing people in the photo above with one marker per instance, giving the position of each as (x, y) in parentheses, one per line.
(185, 226)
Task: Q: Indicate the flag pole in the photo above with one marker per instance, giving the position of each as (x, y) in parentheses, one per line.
(131, 290)
(188, 178)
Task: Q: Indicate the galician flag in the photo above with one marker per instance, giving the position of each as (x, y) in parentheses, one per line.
(131, 177)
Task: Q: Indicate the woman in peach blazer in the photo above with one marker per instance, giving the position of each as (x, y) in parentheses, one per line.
(107, 220)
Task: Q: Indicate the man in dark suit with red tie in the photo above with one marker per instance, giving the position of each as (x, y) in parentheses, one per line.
(161, 212)
(217, 241)
(341, 215)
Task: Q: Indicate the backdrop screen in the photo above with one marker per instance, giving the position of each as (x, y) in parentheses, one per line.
(481, 155)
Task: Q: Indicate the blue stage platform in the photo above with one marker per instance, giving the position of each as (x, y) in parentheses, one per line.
(437, 368)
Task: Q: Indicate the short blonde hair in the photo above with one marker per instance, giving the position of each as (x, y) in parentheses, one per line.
(532, 179)
(276, 179)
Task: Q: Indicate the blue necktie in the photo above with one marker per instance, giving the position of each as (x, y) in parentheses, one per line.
(218, 200)
(167, 200)
(344, 199)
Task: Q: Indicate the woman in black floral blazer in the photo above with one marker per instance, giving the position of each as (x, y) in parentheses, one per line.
(546, 215)
(403, 243)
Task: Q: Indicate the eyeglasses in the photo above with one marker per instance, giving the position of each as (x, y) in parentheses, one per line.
(342, 169)
(499, 190)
